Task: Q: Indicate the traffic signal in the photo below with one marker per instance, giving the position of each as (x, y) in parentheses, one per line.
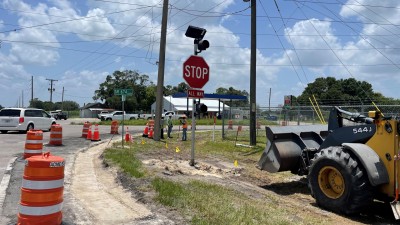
(202, 108)
(203, 45)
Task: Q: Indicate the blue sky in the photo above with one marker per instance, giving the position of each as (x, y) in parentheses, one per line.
(78, 43)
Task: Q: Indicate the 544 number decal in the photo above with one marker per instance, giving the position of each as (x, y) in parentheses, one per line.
(362, 130)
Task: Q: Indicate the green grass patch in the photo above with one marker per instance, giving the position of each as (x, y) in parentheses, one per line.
(214, 204)
(203, 203)
(126, 160)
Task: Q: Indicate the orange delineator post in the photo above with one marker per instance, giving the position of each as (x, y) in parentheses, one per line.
(85, 129)
(33, 143)
(96, 133)
(42, 191)
(56, 135)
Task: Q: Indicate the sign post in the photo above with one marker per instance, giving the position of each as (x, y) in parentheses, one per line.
(123, 93)
(196, 73)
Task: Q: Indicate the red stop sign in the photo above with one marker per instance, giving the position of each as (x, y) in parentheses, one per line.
(196, 71)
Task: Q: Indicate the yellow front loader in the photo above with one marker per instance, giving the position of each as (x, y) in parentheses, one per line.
(348, 162)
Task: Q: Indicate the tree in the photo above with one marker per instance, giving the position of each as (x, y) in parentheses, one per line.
(232, 91)
(125, 80)
(170, 90)
(329, 91)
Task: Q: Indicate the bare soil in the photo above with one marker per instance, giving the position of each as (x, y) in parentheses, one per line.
(292, 190)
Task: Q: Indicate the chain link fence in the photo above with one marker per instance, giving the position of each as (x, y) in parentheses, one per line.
(297, 115)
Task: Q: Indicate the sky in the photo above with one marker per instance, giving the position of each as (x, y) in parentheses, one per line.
(78, 43)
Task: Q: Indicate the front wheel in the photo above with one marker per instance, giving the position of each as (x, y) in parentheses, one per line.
(338, 181)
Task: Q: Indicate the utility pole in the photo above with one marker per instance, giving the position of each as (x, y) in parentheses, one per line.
(22, 99)
(31, 90)
(253, 55)
(51, 89)
(160, 80)
(62, 99)
(269, 101)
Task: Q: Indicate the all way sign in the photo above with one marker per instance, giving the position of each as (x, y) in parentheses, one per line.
(191, 93)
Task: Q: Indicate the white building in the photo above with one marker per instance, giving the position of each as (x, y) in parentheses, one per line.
(180, 105)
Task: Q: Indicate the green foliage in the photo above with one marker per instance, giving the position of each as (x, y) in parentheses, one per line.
(50, 106)
(170, 90)
(330, 91)
(143, 91)
(233, 91)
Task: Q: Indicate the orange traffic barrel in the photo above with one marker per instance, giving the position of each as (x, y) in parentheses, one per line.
(42, 191)
(230, 125)
(114, 127)
(56, 135)
(33, 143)
(96, 133)
(85, 129)
(150, 132)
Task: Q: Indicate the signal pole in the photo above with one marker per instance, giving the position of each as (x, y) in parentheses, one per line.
(51, 89)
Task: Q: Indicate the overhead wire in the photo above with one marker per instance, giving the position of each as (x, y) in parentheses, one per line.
(337, 57)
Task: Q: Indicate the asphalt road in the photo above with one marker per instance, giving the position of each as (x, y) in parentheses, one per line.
(12, 165)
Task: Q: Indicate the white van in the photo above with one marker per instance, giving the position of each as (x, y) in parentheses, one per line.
(24, 119)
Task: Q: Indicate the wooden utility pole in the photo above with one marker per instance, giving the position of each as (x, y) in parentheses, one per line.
(51, 89)
(160, 80)
(62, 99)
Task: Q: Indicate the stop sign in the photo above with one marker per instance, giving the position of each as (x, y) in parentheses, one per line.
(196, 71)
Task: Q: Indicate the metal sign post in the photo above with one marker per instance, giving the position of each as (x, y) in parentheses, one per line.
(123, 93)
(193, 135)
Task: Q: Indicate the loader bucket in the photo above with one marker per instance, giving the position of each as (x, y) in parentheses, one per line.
(285, 145)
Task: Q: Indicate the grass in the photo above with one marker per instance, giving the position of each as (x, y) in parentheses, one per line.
(126, 160)
(205, 203)
(214, 204)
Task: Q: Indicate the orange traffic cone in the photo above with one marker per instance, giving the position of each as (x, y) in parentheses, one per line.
(146, 131)
(89, 133)
(96, 133)
(128, 137)
(151, 133)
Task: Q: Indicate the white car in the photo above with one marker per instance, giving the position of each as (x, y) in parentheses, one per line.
(24, 119)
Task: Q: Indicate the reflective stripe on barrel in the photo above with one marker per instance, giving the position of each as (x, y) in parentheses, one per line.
(42, 190)
(85, 129)
(56, 135)
(33, 143)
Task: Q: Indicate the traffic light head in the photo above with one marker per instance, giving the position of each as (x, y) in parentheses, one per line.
(203, 108)
(203, 45)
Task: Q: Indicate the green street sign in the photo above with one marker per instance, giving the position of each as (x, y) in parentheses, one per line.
(128, 92)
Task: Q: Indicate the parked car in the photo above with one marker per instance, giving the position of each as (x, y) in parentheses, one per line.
(118, 115)
(24, 119)
(273, 118)
(102, 113)
(59, 115)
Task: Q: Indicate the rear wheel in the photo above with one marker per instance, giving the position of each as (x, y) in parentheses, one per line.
(30, 127)
(338, 181)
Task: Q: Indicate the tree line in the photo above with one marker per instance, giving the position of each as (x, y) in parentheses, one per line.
(144, 91)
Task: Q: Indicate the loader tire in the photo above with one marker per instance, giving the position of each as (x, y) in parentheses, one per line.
(338, 182)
